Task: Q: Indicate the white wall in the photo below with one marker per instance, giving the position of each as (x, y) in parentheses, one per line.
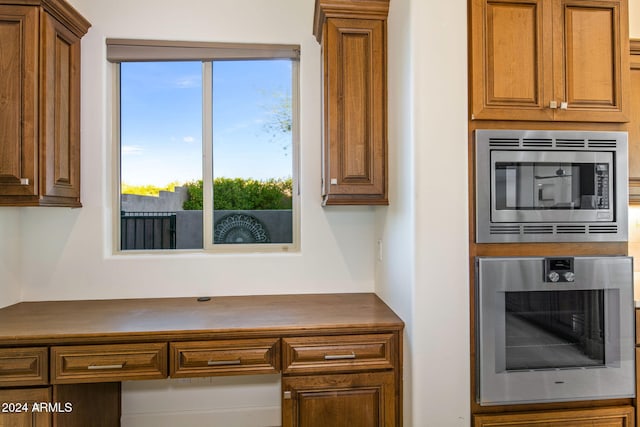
(634, 19)
(424, 271)
(395, 271)
(72, 248)
(10, 256)
(337, 243)
(441, 359)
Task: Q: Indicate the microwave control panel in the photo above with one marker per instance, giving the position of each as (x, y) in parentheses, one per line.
(602, 185)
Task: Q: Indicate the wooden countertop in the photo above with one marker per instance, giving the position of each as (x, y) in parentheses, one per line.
(110, 321)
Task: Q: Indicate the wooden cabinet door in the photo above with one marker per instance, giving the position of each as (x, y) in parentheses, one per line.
(355, 100)
(350, 400)
(18, 106)
(60, 113)
(17, 409)
(590, 60)
(634, 123)
(511, 61)
(549, 60)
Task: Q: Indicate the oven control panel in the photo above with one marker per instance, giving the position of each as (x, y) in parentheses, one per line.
(559, 270)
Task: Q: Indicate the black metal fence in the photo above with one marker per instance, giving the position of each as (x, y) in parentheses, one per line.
(148, 230)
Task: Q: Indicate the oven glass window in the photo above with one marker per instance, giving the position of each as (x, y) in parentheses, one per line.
(554, 329)
(548, 185)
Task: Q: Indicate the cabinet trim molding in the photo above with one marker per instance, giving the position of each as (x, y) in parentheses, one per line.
(366, 9)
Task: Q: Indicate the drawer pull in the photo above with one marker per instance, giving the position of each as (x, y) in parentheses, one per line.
(223, 362)
(96, 367)
(339, 356)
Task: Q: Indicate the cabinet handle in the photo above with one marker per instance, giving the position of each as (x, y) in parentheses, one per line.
(339, 356)
(94, 367)
(223, 362)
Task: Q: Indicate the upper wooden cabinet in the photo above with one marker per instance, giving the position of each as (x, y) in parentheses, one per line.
(353, 38)
(634, 124)
(40, 103)
(544, 60)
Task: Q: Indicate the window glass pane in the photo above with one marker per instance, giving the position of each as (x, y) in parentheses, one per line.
(252, 151)
(161, 152)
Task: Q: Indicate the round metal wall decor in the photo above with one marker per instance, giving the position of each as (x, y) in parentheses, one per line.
(240, 228)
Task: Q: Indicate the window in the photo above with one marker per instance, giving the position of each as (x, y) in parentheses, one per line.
(206, 145)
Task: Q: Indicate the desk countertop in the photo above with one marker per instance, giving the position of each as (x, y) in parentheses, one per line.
(96, 321)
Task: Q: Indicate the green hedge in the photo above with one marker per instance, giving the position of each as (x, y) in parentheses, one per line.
(242, 194)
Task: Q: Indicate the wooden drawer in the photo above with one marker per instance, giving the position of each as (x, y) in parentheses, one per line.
(105, 363)
(621, 416)
(338, 353)
(224, 357)
(24, 366)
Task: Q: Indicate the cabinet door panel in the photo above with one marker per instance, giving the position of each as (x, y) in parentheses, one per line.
(23, 415)
(60, 112)
(634, 131)
(354, 400)
(589, 75)
(18, 109)
(355, 112)
(510, 77)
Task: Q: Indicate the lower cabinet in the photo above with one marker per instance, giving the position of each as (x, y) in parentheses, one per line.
(619, 416)
(348, 400)
(95, 405)
(17, 408)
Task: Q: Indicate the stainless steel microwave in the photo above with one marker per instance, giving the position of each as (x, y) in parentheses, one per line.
(550, 186)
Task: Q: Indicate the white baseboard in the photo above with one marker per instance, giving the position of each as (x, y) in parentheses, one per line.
(236, 417)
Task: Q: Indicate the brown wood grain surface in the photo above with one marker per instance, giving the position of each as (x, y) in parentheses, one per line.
(136, 320)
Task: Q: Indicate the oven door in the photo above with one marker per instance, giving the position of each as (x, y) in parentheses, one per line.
(540, 341)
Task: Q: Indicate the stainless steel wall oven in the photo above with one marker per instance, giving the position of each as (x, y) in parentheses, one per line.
(554, 329)
(550, 186)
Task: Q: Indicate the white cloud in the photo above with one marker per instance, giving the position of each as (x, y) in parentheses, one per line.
(188, 82)
(188, 139)
(131, 150)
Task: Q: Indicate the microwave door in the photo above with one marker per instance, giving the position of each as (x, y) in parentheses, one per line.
(540, 186)
(556, 187)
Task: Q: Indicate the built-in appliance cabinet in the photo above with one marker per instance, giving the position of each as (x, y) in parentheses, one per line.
(40, 103)
(634, 122)
(619, 416)
(549, 60)
(339, 355)
(353, 39)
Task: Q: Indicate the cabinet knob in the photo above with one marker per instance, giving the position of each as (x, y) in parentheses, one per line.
(24, 181)
(553, 104)
(334, 181)
(287, 395)
(564, 105)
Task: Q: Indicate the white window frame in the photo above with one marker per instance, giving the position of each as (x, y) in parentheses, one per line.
(127, 50)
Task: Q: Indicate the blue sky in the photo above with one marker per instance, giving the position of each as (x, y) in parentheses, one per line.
(161, 121)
